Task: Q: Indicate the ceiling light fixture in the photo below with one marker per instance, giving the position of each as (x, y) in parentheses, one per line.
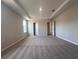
(27, 18)
(40, 9)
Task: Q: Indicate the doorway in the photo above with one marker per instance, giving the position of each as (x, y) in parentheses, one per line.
(34, 29)
(54, 28)
(48, 28)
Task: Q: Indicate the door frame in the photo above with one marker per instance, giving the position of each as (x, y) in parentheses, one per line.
(34, 29)
(48, 28)
(54, 28)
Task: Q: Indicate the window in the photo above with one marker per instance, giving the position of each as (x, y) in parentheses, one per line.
(24, 26)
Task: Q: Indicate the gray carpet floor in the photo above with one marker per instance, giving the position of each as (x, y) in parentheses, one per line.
(42, 48)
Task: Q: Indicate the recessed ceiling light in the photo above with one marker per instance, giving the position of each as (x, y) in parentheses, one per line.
(53, 10)
(40, 9)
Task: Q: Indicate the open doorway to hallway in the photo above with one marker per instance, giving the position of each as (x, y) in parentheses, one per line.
(34, 28)
(49, 28)
(54, 28)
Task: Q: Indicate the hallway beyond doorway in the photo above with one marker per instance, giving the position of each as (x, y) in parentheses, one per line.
(43, 48)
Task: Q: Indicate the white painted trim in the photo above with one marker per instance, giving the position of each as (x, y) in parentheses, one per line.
(72, 42)
(67, 40)
(60, 7)
(12, 44)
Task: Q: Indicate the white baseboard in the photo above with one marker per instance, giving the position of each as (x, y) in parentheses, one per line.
(67, 40)
(12, 44)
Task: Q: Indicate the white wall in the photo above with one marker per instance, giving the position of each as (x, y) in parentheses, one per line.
(11, 27)
(52, 27)
(67, 24)
(30, 27)
(41, 27)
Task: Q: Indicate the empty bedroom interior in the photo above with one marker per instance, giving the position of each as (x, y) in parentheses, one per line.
(39, 29)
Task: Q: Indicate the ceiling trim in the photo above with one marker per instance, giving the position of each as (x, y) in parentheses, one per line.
(60, 7)
(16, 1)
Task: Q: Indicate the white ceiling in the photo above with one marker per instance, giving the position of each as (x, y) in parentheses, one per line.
(33, 6)
(30, 8)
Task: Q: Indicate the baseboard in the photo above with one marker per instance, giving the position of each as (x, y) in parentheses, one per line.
(67, 40)
(12, 44)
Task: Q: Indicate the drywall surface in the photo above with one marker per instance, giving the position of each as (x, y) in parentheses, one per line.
(31, 28)
(67, 24)
(52, 27)
(11, 27)
(41, 27)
